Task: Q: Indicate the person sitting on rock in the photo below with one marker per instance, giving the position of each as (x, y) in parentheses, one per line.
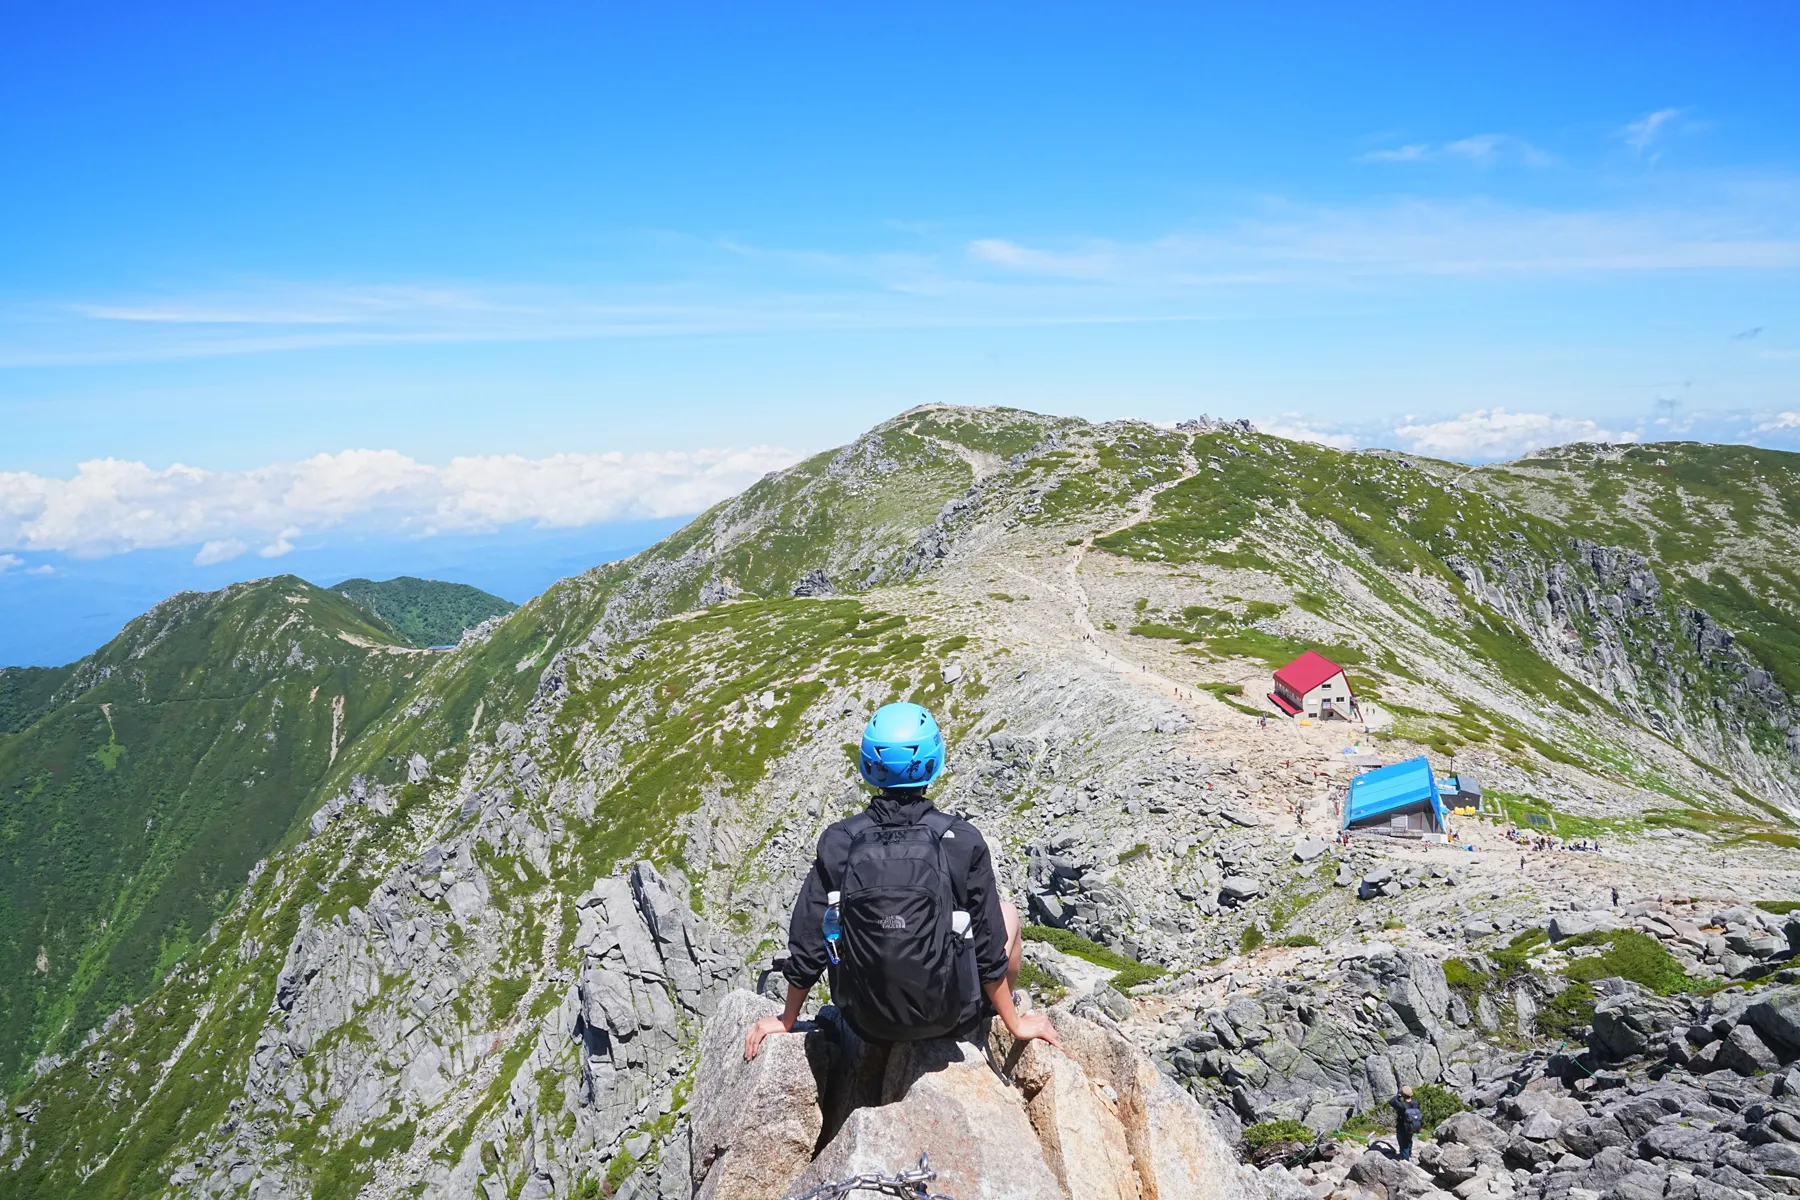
(902, 909)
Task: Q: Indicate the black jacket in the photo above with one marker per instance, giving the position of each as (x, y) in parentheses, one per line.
(971, 880)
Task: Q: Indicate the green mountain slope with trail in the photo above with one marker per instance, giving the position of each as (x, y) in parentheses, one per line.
(423, 612)
(1662, 596)
(429, 985)
(139, 785)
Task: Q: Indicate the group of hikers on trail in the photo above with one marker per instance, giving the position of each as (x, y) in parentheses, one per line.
(901, 911)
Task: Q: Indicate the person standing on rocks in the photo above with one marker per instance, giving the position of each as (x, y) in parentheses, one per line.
(902, 909)
(1409, 1118)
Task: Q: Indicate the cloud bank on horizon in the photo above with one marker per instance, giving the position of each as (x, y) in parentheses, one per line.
(111, 506)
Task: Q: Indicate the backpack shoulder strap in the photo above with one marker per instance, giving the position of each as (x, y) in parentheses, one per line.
(940, 823)
(850, 829)
(942, 826)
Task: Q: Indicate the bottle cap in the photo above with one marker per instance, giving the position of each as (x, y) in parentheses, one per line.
(833, 897)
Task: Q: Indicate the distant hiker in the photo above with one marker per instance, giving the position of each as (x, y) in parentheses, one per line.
(1409, 1118)
(901, 907)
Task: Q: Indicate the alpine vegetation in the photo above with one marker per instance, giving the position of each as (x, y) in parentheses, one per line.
(298, 908)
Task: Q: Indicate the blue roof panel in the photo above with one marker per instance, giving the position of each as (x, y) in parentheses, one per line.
(1390, 789)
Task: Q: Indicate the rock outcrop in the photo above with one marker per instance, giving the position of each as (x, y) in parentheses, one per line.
(755, 1123)
(1095, 1120)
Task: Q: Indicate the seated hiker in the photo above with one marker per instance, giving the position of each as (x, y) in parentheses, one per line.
(901, 907)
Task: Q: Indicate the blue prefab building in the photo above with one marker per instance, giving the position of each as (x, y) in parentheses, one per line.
(1402, 799)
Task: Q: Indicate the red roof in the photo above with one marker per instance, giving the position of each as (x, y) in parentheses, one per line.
(1284, 704)
(1308, 672)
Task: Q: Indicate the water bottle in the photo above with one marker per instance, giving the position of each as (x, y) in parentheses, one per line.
(834, 927)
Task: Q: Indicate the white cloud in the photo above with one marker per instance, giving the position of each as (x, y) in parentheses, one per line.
(41, 569)
(1412, 152)
(1296, 429)
(1786, 420)
(1643, 133)
(1481, 149)
(1002, 253)
(281, 545)
(10, 562)
(219, 550)
(953, 282)
(1289, 245)
(110, 506)
(1495, 433)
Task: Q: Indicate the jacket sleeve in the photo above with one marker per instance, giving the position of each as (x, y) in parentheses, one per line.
(806, 957)
(984, 912)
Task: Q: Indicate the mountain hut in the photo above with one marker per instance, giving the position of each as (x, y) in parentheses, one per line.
(1314, 686)
(1400, 801)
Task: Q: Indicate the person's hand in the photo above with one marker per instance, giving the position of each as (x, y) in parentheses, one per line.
(754, 1039)
(1036, 1027)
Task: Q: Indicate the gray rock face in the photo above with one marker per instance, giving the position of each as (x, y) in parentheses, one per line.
(1540, 1127)
(1308, 849)
(1240, 887)
(1742, 1051)
(1473, 1130)
(1421, 995)
(1776, 1017)
(1574, 924)
(814, 583)
(1099, 1122)
(970, 1123)
(1389, 1177)
(1628, 1023)
(754, 1123)
(1084, 1142)
(1176, 1146)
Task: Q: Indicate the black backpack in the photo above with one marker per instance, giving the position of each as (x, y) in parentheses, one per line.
(905, 974)
(1414, 1116)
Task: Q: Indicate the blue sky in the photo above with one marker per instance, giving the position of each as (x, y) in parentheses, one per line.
(705, 240)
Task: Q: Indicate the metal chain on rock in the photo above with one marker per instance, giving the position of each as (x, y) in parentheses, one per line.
(907, 1185)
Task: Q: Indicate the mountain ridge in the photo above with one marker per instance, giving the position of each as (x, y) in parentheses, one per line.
(1075, 601)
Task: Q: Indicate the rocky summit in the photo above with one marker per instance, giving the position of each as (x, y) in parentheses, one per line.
(299, 909)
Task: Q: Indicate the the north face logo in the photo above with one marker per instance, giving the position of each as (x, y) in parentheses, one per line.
(893, 921)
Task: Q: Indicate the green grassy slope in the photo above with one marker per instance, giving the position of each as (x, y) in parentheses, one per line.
(1721, 523)
(424, 612)
(25, 692)
(134, 800)
(856, 514)
(1715, 526)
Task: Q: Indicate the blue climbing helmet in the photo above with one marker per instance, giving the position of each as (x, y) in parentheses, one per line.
(901, 747)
